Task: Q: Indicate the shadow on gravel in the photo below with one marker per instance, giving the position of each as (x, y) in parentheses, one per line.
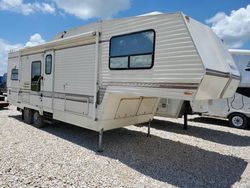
(165, 160)
(213, 121)
(217, 136)
(4, 109)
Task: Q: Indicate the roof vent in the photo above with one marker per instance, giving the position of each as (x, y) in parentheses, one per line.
(64, 33)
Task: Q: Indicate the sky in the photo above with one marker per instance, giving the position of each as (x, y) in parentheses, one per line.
(28, 22)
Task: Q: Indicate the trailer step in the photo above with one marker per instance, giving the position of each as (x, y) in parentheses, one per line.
(47, 115)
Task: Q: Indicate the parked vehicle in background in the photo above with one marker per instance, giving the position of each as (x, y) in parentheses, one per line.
(113, 73)
(3, 100)
(236, 108)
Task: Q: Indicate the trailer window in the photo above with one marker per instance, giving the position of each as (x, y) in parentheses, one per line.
(14, 74)
(132, 51)
(48, 64)
(248, 67)
(35, 75)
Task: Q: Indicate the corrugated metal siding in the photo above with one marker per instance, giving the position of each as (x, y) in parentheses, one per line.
(75, 68)
(176, 59)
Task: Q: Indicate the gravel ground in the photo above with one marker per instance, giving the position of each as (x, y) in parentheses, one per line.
(208, 154)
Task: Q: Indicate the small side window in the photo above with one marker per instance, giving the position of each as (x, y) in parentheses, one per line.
(48, 64)
(14, 74)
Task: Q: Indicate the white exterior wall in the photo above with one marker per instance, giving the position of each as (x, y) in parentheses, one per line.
(74, 76)
(74, 69)
(223, 107)
(214, 54)
(176, 59)
(242, 60)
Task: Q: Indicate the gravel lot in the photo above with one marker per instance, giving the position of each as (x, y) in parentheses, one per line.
(208, 154)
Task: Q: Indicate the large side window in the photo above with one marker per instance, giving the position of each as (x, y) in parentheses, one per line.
(35, 75)
(48, 64)
(14, 74)
(248, 67)
(132, 51)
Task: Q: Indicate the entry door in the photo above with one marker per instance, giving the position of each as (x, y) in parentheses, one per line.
(36, 62)
(47, 86)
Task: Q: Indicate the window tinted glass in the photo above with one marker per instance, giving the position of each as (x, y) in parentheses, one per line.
(48, 64)
(138, 43)
(119, 62)
(14, 74)
(141, 61)
(132, 51)
(35, 75)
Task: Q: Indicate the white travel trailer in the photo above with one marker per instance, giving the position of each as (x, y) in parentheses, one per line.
(113, 73)
(237, 108)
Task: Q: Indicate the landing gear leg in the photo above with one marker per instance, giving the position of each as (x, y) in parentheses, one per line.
(22, 115)
(100, 147)
(185, 126)
(149, 125)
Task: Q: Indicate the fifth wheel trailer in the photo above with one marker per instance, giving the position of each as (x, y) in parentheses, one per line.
(112, 73)
(236, 108)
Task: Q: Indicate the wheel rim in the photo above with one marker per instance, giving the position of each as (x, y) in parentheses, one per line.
(36, 118)
(237, 121)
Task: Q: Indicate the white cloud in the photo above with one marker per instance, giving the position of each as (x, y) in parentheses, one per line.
(234, 29)
(35, 40)
(83, 9)
(86, 9)
(26, 8)
(5, 47)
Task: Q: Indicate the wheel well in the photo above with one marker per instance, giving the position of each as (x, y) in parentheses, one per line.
(235, 113)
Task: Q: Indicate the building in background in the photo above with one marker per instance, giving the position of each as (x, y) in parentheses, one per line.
(1, 80)
(4, 78)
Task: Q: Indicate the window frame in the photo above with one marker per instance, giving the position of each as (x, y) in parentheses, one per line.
(248, 67)
(11, 77)
(51, 64)
(248, 64)
(133, 68)
(38, 61)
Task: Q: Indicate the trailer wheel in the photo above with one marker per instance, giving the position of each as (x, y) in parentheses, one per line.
(238, 120)
(27, 116)
(38, 120)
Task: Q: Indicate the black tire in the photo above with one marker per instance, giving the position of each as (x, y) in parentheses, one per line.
(37, 120)
(238, 120)
(28, 116)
